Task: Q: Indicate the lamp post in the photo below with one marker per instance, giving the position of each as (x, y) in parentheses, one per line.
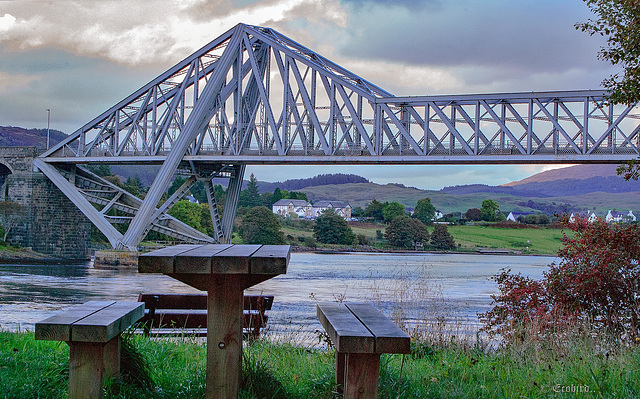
(48, 121)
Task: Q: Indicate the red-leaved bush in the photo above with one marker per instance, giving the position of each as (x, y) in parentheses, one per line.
(597, 280)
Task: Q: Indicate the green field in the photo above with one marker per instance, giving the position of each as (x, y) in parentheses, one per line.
(535, 241)
(545, 241)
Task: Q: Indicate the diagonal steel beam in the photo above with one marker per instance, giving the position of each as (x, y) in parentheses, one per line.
(78, 199)
(196, 124)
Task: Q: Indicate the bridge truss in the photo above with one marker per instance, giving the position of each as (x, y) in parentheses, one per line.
(254, 96)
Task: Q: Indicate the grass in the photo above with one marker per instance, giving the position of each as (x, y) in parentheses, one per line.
(38, 369)
(537, 241)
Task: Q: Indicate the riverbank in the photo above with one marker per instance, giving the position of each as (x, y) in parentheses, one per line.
(434, 369)
(12, 255)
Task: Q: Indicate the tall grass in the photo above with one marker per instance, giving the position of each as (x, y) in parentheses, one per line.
(448, 359)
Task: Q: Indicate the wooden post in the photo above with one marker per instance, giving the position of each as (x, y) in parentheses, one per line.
(361, 375)
(86, 370)
(224, 336)
(111, 356)
(341, 358)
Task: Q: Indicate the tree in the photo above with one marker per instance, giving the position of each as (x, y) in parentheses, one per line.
(11, 216)
(331, 228)
(261, 226)
(392, 210)
(374, 210)
(424, 211)
(250, 197)
(406, 232)
(134, 186)
(276, 196)
(177, 182)
(489, 210)
(188, 213)
(473, 214)
(441, 239)
(619, 22)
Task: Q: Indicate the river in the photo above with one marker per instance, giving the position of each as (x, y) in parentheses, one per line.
(408, 287)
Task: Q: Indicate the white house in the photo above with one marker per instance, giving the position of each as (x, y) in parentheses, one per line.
(513, 216)
(617, 217)
(437, 215)
(590, 216)
(340, 207)
(286, 206)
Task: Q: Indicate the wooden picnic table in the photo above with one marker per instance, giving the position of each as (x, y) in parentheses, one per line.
(224, 271)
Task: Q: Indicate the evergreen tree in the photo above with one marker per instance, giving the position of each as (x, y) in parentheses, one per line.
(250, 197)
(331, 228)
(134, 186)
(261, 226)
(441, 239)
(424, 211)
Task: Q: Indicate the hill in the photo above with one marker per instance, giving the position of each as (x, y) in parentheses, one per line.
(576, 172)
(12, 136)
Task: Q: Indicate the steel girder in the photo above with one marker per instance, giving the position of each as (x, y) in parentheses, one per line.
(95, 197)
(254, 96)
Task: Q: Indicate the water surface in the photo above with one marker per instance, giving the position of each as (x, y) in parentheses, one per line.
(411, 286)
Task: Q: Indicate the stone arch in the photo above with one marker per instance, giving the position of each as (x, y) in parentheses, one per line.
(5, 170)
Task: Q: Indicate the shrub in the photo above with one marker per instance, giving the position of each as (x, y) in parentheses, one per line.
(597, 281)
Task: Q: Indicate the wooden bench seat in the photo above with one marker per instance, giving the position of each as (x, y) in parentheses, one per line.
(176, 314)
(360, 333)
(92, 331)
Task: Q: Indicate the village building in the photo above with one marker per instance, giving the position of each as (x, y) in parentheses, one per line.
(513, 216)
(590, 216)
(340, 207)
(618, 217)
(284, 207)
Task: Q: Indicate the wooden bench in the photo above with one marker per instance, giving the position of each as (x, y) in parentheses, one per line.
(360, 334)
(92, 331)
(176, 314)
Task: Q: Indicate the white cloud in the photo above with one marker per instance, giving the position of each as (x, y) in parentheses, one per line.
(6, 22)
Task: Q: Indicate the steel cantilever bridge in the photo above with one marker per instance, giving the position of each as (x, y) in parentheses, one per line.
(254, 96)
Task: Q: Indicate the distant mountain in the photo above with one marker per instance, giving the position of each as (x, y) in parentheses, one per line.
(578, 172)
(319, 180)
(12, 136)
(483, 188)
(575, 180)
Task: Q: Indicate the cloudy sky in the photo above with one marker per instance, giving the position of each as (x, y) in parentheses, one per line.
(80, 57)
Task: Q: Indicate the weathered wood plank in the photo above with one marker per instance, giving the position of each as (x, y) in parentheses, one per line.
(233, 260)
(197, 260)
(361, 376)
(270, 259)
(388, 337)
(58, 327)
(161, 260)
(102, 326)
(224, 337)
(346, 332)
(86, 370)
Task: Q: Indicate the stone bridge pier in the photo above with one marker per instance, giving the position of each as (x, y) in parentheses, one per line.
(51, 224)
